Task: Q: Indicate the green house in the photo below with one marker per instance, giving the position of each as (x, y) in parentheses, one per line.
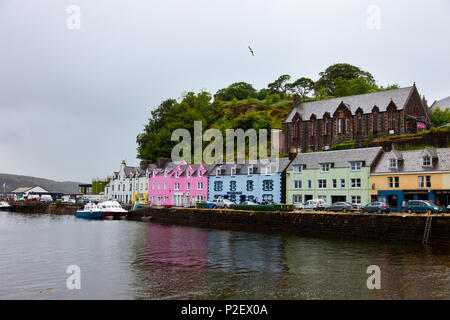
(333, 176)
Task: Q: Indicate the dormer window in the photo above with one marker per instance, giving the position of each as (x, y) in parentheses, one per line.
(355, 166)
(176, 174)
(427, 161)
(268, 170)
(298, 169)
(188, 173)
(218, 171)
(250, 171)
(233, 171)
(393, 163)
(325, 167)
(200, 173)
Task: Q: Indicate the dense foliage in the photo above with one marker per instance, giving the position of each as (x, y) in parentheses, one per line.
(240, 105)
(440, 117)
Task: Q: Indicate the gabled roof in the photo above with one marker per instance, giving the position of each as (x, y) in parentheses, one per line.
(340, 158)
(26, 189)
(413, 161)
(258, 165)
(442, 104)
(366, 102)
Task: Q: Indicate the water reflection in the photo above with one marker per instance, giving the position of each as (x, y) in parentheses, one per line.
(134, 260)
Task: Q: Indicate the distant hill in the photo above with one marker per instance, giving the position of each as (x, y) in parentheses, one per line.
(15, 181)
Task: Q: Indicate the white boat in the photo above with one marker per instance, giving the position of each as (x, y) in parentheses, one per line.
(4, 206)
(112, 209)
(90, 211)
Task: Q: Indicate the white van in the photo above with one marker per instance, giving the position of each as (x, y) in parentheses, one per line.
(314, 204)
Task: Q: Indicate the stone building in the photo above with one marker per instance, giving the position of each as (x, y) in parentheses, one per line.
(319, 125)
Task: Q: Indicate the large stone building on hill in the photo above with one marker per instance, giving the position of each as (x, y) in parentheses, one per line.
(319, 125)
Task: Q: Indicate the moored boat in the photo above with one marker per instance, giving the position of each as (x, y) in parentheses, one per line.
(90, 211)
(4, 206)
(112, 209)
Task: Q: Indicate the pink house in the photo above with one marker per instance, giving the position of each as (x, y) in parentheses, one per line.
(178, 185)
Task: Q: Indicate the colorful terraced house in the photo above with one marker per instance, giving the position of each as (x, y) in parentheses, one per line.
(178, 185)
(332, 176)
(423, 174)
(259, 181)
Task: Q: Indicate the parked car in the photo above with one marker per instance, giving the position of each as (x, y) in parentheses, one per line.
(341, 207)
(376, 206)
(249, 203)
(422, 206)
(316, 204)
(222, 203)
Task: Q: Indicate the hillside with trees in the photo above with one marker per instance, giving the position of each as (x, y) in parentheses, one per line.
(240, 105)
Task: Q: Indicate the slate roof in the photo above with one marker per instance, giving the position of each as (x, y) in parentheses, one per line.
(442, 104)
(366, 102)
(340, 158)
(258, 165)
(413, 161)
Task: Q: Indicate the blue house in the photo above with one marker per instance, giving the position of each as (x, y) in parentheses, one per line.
(259, 181)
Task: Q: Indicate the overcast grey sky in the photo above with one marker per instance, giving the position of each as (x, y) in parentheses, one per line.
(73, 100)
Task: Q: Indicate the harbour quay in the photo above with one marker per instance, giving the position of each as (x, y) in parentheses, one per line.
(391, 227)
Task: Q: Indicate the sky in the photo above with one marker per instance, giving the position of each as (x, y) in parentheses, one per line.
(79, 78)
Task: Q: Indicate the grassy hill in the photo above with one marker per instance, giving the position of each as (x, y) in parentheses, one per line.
(14, 181)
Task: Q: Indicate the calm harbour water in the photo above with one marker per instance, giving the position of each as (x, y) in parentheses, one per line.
(137, 260)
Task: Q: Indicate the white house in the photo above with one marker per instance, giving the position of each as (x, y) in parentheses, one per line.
(129, 184)
(24, 192)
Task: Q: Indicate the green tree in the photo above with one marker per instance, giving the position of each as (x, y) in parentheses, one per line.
(440, 117)
(302, 86)
(238, 90)
(280, 85)
(343, 71)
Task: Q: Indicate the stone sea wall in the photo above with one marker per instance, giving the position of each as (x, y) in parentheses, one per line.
(357, 225)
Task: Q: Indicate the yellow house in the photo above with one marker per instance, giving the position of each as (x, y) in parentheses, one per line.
(400, 176)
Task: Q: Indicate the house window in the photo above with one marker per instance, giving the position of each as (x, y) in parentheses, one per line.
(334, 183)
(325, 167)
(188, 173)
(359, 126)
(153, 186)
(309, 184)
(159, 186)
(268, 170)
(393, 163)
(298, 169)
(342, 183)
(427, 161)
(355, 166)
(199, 185)
(391, 120)
(313, 125)
(375, 122)
(356, 200)
(176, 186)
(250, 171)
(296, 129)
(268, 198)
(322, 183)
(233, 171)
(249, 185)
(394, 182)
(165, 185)
(218, 186)
(356, 182)
(200, 174)
(297, 184)
(342, 125)
(233, 185)
(268, 185)
(176, 174)
(297, 198)
(326, 127)
(428, 181)
(218, 172)
(188, 186)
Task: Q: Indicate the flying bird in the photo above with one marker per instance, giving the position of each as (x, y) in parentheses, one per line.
(251, 51)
